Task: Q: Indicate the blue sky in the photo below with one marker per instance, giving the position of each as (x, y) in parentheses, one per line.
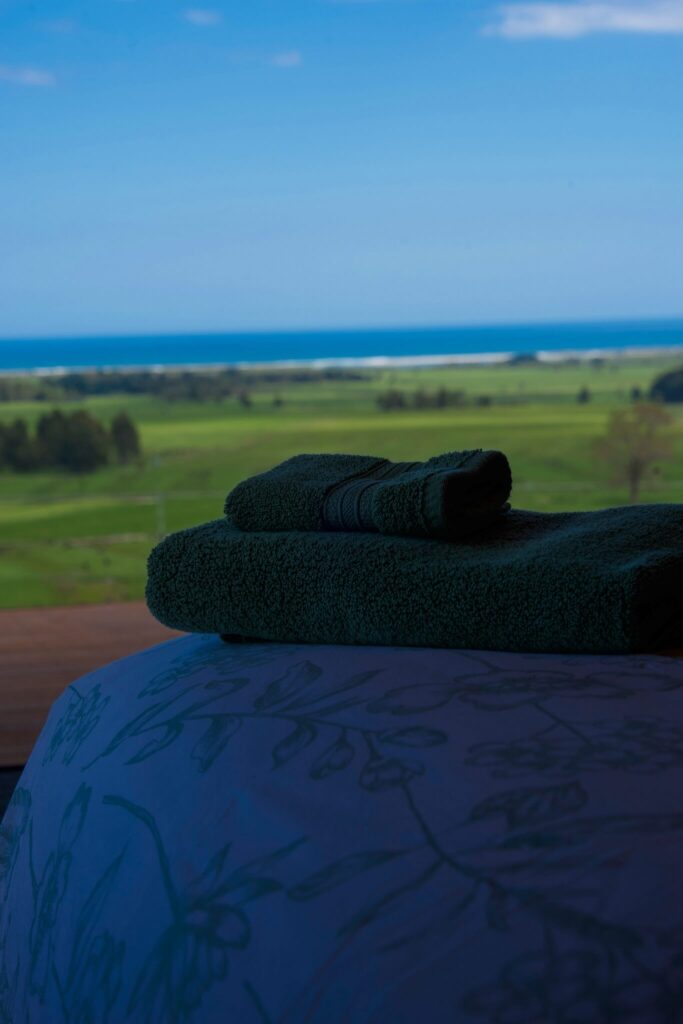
(310, 163)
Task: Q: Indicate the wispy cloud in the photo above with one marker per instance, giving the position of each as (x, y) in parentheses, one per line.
(202, 16)
(27, 76)
(572, 20)
(289, 59)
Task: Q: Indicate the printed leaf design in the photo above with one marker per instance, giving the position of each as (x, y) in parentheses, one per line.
(14, 824)
(215, 740)
(334, 759)
(171, 732)
(164, 680)
(295, 680)
(359, 679)
(89, 916)
(135, 726)
(247, 882)
(339, 872)
(73, 818)
(414, 736)
(286, 749)
(230, 925)
(411, 700)
(586, 925)
(217, 866)
(191, 954)
(386, 773)
(578, 831)
(15, 819)
(255, 867)
(252, 889)
(340, 705)
(226, 686)
(626, 681)
(531, 805)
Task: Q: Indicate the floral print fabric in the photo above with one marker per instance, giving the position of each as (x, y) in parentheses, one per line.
(261, 833)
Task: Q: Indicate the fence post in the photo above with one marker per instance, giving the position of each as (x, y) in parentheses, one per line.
(161, 516)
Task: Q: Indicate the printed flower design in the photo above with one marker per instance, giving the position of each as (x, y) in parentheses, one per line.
(94, 977)
(51, 889)
(574, 987)
(7, 986)
(382, 773)
(207, 925)
(13, 826)
(547, 851)
(78, 721)
(504, 690)
(97, 982)
(223, 661)
(631, 745)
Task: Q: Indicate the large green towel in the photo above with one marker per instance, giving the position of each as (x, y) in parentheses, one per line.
(605, 582)
(451, 495)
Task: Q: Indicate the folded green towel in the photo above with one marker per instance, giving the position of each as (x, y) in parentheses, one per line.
(603, 582)
(451, 495)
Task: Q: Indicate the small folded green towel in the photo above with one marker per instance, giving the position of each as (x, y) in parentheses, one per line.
(601, 582)
(449, 496)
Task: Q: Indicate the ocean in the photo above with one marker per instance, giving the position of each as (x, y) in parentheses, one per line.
(401, 345)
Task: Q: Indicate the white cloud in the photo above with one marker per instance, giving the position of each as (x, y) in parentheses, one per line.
(289, 59)
(572, 20)
(27, 76)
(202, 16)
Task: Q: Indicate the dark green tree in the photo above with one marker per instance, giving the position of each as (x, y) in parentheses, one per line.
(52, 435)
(636, 440)
(87, 444)
(668, 387)
(390, 400)
(20, 451)
(125, 438)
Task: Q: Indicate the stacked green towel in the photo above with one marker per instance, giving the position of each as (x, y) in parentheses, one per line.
(449, 496)
(603, 582)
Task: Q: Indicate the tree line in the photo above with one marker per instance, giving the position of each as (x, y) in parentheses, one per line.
(230, 382)
(172, 385)
(395, 400)
(76, 442)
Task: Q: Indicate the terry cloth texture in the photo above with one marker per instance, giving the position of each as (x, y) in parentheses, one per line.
(603, 582)
(451, 495)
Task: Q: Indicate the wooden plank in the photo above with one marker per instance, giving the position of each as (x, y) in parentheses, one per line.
(42, 650)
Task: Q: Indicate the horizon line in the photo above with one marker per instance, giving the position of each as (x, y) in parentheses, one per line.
(387, 328)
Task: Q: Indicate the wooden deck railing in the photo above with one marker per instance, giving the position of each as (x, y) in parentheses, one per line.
(42, 650)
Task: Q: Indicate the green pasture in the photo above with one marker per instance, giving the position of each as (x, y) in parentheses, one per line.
(77, 539)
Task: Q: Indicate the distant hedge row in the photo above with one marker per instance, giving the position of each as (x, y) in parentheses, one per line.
(442, 398)
(192, 385)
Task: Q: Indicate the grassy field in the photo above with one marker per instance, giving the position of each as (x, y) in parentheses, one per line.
(67, 539)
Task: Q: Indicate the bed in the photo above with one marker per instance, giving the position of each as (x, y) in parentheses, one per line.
(211, 832)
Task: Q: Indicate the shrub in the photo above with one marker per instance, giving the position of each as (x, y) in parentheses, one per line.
(125, 438)
(668, 387)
